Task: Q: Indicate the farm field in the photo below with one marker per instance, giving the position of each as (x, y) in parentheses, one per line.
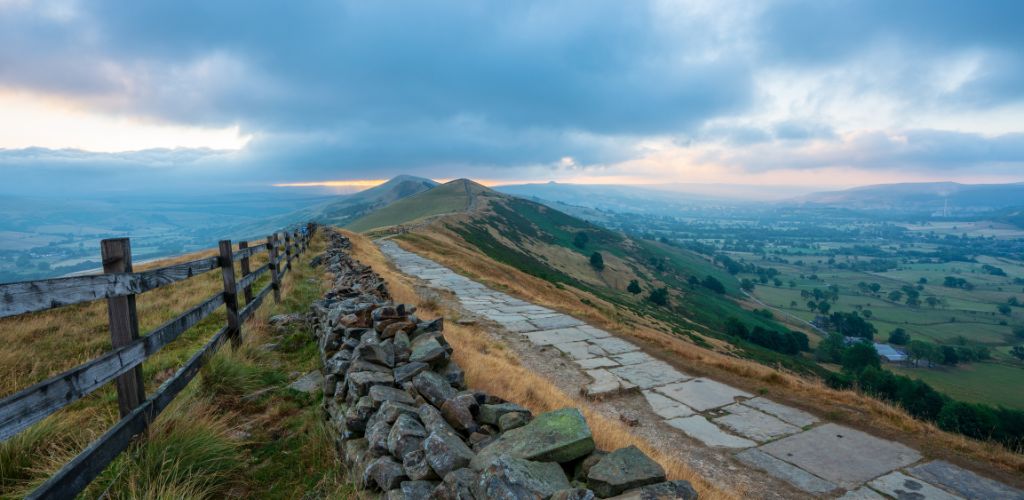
(992, 383)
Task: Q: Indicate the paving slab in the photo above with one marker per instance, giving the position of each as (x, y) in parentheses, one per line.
(589, 364)
(702, 430)
(605, 382)
(596, 333)
(653, 373)
(863, 493)
(902, 486)
(665, 407)
(963, 482)
(703, 394)
(632, 358)
(519, 326)
(845, 456)
(787, 414)
(753, 424)
(559, 321)
(578, 350)
(557, 336)
(612, 345)
(787, 472)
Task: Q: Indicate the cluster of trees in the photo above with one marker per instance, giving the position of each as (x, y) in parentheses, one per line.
(993, 270)
(786, 342)
(852, 324)
(954, 282)
(862, 370)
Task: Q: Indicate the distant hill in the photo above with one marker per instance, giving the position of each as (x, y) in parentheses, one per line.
(455, 196)
(930, 197)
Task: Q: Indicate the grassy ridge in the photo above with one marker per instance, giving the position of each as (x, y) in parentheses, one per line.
(446, 198)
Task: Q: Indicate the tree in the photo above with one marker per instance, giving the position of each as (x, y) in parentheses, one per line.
(824, 306)
(1004, 309)
(932, 301)
(1019, 332)
(580, 240)
(747, 284)
(918, 350)
(597, 261)
(899, 336)
(859, 356)
(713, 284)
(895, 295)
(634, 287)
(1013, 302)
(1017, 352)
(812, 305)
(949, 355)
(875, 287)
(659, 296)
(830, 349)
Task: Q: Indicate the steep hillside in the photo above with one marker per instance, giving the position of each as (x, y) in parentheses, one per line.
(455, 196)
(682, 291)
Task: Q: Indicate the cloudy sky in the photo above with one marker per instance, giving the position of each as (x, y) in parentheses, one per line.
(166, 95)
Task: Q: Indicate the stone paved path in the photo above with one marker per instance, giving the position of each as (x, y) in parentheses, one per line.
(820, 458)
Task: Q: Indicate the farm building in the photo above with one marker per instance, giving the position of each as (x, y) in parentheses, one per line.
(890, 353)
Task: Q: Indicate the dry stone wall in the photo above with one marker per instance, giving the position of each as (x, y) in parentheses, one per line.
(408, 426)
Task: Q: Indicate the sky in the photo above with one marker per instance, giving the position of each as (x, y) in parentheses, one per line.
(99, 96)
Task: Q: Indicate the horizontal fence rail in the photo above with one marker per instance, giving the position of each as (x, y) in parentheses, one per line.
(122, 364)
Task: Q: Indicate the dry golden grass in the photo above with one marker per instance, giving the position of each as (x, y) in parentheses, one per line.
(489, 366)
(210, 410)
(847, 407)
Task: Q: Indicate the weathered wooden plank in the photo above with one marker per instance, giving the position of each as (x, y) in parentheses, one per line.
(123, 323)
(40, 295)
(81, 470)
(251, 308)
(244, 265)
(248, 280)
(227, 271)
(249, 251)
(275, 271)
(30, 405)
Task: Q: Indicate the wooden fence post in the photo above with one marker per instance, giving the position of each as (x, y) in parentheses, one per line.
(124, 323)
(288, 250)
(275, 280)
(227, 271)
(245, 271)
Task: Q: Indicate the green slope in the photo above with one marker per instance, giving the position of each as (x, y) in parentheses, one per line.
(454, 196)
(540, 241)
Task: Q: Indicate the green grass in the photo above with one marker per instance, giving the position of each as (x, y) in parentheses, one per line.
(443, 199)
(992, 383)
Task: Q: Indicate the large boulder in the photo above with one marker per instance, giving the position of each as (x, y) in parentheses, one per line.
(406, 435)
(557, 436)
(428, 350)
(623, 469)
(458, 411)
(446, 452)
(510, 477)
(670, 490)
(433, 387)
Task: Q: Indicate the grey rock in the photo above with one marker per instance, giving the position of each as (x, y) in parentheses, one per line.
(433, 420)
(446, 452)
(384, 472)
(454, 375)
(490, 413)
(390, 410)
(359, 383)
(358, 414)
(509, 477)
(330, 386)
(355, 450)
(557, 436)
(382, 393)
(669, 490)
(623, 469)
(361, 365)
(406, 372)
(429, 351)
(417, 467)
(573, 494)
(309, 382)
(403, 347)
(406, 435)
(381, 353)
(433, 387)
(582, 466)
(512, 420)
(377, 437)
(458, 412)
(412, 490)
(457, 485)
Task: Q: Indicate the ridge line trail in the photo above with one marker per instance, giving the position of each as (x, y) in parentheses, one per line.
(730, 436)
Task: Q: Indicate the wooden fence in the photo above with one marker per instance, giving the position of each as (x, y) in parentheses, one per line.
(123, 364)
